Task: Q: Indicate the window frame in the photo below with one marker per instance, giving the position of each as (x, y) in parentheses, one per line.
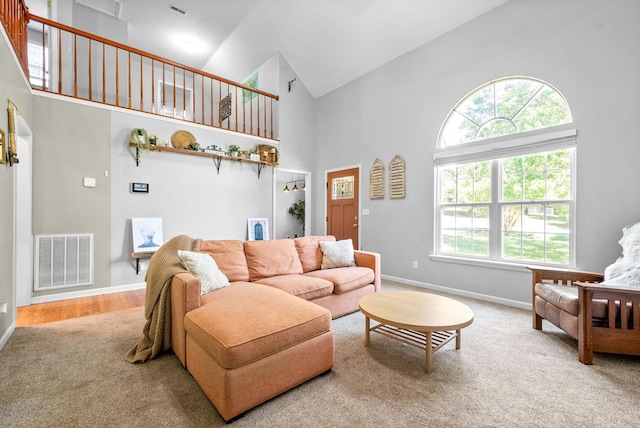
(494, 149)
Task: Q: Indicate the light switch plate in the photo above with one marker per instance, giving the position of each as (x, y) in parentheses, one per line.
(89, 182)
(365, 211)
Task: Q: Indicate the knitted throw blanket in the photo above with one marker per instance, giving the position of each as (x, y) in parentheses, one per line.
(156, 334)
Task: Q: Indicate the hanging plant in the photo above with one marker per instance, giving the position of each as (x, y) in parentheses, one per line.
(297, 210)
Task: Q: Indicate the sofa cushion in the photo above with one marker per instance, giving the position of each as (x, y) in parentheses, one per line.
(243, 323)
(345, 279)
(229, 256)
(308, 248)
(270, 258)
(337, 254)
(204, 267)
(566, 298)
(305, 287)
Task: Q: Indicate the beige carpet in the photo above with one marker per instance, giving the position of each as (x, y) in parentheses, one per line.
(73, 374)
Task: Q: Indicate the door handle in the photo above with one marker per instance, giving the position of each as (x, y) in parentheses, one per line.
(355, 224)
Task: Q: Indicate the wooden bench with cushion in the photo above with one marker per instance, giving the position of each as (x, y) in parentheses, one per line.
(600, 318)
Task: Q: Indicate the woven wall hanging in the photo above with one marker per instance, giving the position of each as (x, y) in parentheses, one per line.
(397, 178)
(376, 180)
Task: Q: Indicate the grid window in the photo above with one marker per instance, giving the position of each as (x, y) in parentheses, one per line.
(508, 197)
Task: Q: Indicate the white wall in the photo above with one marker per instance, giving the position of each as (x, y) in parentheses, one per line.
(185, 191)
(587, 49)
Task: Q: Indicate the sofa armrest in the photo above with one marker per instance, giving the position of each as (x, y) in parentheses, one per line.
(372, 261)
(185, 297)
(562, 276)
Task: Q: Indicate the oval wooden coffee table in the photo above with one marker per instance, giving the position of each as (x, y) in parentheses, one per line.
(426, 321)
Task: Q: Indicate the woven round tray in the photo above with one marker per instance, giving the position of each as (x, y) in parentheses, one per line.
(182, 139)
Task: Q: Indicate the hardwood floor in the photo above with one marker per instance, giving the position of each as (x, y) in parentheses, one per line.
(73, 308)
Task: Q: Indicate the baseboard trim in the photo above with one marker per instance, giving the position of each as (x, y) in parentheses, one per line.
(7, 334)
(463, 293)
(86, 293)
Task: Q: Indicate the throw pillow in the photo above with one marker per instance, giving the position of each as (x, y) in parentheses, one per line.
(204, 267)
(337, 254)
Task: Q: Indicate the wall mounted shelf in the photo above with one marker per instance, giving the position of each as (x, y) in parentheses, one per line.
(217, 159)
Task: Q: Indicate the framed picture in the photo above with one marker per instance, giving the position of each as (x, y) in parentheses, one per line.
(258, 229)
(147, 234)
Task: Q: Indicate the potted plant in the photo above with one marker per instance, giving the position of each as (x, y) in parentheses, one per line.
(297, 210)
(253, 154)
(234, 150)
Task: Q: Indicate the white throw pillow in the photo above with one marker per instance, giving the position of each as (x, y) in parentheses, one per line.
(337, 254)
(205, 269)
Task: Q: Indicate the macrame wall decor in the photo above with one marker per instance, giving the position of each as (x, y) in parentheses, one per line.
(397, 186)
(376, 180)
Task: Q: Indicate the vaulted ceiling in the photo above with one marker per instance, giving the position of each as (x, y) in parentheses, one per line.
(328, 43)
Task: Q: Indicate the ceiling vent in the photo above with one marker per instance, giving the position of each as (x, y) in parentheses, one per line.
(108, 7)
(177, 9)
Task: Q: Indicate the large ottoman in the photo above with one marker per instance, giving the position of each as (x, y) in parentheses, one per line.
(251, 342)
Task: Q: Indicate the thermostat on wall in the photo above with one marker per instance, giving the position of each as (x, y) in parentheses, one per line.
(140, 187)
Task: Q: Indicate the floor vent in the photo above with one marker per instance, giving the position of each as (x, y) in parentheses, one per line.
(63, 261)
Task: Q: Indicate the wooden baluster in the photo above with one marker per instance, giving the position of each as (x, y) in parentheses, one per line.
(174, 92)
(129, 79)
(202, 98)
(265, 115)
(184, 94)
(59, 62)
(236, 107)
(251, 113)
(75, 65)
(117, 78)
(153, 86)
(141, 84)
(90, 72)
(220, 96)
(211, 101)
(271, 118)
(258, 115)
(104, 74)
(164, 91)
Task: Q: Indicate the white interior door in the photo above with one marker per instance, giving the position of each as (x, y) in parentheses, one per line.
(22, 215)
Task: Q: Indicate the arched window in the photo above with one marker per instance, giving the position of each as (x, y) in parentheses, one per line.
(505, 175)
(504, 107)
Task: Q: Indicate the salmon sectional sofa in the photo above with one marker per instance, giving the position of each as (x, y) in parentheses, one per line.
(270, 329)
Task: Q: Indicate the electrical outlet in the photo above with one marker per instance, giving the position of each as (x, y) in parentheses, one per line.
(415, 264)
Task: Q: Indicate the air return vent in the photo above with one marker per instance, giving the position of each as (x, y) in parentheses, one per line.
(63, 261)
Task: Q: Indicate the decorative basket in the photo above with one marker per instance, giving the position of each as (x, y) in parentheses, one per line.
(268, 153)
(182, 139)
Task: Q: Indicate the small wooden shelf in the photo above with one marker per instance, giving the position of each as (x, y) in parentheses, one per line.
(139, 256)
(217, 159)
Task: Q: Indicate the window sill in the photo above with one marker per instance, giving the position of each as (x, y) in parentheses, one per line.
(519, 267)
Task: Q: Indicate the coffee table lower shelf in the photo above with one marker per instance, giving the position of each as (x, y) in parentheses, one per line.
(418, 339)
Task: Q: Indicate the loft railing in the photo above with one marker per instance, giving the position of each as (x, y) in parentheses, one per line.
(15, 16)
(66, 61)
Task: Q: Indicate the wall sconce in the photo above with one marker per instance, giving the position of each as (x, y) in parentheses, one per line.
(13, 156)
